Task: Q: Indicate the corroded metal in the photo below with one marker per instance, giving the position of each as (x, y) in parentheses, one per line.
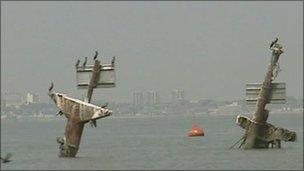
(105, 75)
(277, 96)
(266, 131)
(259, 133)
(94, 80)
(84, 111)
(78, 113)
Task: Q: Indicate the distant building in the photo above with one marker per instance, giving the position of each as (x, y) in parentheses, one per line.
(138, 101)
(177, 96)
(31, 98)
(152, 98)
(13, 99)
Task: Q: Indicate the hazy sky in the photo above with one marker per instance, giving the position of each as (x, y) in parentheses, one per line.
(208, 49)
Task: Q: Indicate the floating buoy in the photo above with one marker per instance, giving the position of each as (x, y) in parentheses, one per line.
(196, 131)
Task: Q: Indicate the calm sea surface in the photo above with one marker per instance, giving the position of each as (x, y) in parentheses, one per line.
(148, 143)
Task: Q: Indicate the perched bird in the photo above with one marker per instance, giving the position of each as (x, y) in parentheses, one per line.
(96, 54)
(77, 63)
(85, 61)
(6, 158)
(274, 42)
(93, 123)
(113, 60)
(52, 85)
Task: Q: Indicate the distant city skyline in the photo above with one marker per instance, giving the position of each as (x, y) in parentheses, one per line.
(208, 49)
(139, 98)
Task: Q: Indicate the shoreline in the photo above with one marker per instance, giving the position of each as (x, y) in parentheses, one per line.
(50, 117)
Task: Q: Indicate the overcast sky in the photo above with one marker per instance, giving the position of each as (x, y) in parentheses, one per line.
(208, 49)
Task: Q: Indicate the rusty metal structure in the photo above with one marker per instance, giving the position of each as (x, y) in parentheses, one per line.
(259, 133)
(79, 112)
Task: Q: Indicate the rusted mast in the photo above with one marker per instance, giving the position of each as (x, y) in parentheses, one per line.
(259, 133)
(79, 112)
(261, 114)
(94, 80)
(74, 127)
(73, 131)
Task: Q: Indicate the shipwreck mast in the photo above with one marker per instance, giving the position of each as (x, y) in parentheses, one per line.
(259, 133)
(80, 112)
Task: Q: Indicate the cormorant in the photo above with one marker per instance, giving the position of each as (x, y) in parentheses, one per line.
(113, 60)
(275, 41)
(85, 61)
(52, 85)
(77, 63)
(96, 54)
(93, 123)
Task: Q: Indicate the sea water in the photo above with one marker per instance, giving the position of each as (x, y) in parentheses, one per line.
(148, 142)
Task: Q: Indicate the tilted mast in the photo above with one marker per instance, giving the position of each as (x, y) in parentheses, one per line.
(259, 133)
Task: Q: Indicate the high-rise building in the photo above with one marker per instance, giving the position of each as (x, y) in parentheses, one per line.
(138, 98)
(138, 101)
(152, 98)
(31, 98)
(177, 96)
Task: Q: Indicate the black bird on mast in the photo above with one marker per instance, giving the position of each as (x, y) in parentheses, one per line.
(77, 63)
(93, 123)
(274, 42)
(96, 54)
(52, 85)
(85, 61)
(113, 60)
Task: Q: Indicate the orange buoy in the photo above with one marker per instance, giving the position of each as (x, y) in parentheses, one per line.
(196, 131)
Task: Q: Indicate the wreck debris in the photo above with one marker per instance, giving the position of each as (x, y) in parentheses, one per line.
(80, 112)
(259, 133)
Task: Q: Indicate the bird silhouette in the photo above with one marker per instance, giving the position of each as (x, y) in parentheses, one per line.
(113, 60)
(85, 61)
(77, 63)
(52, 85)
(96, 54)
(6, 158)
(93, 123)
(273, 42)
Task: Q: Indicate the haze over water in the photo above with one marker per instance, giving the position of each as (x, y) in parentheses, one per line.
(149, 143)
